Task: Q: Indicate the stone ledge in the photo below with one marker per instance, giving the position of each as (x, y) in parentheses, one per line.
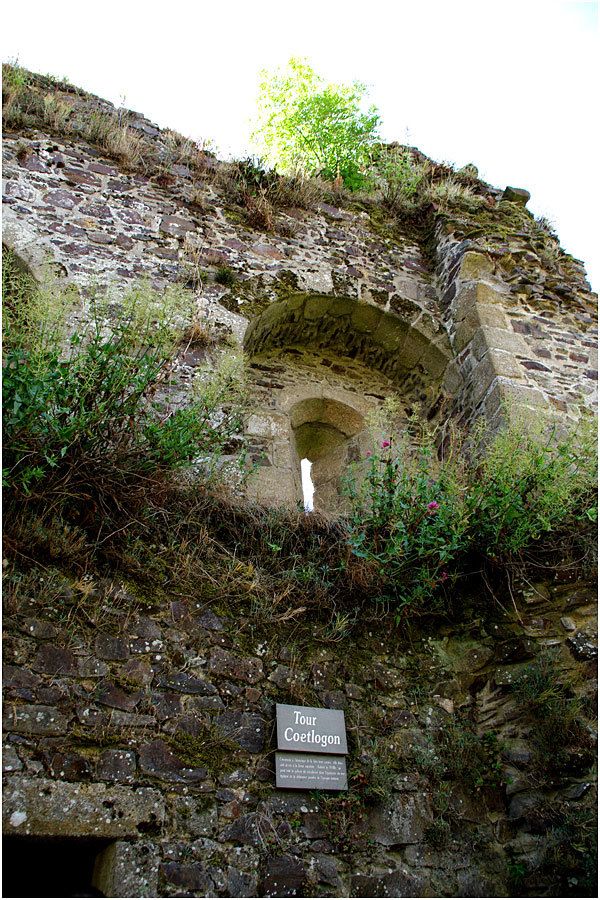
(46, 808)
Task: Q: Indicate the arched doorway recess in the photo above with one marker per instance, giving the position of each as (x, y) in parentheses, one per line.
(319, 367)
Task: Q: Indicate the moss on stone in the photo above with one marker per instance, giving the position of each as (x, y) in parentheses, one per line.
(210, 751)
(98, 737)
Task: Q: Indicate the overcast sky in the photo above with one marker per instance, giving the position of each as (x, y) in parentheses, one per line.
(510, 86)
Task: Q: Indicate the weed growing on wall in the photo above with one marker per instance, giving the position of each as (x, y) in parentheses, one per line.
(399, 177)
(82, 412)
(262, 192)
(562, 743)
(30, 100)
(418, 518)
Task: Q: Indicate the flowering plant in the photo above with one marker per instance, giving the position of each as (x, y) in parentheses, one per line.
(409, 517)
(421, 516)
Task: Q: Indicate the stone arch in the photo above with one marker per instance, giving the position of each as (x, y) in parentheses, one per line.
(319, 365)
(383, 340)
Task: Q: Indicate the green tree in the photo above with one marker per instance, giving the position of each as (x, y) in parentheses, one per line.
(304, 123)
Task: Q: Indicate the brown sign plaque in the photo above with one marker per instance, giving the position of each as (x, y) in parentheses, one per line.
(311, 771)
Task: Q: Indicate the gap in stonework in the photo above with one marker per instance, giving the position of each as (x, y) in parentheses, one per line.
(50, 867)
(308, 488)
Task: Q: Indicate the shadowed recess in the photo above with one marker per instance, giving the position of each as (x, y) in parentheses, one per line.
(50, 867)
(381, 340)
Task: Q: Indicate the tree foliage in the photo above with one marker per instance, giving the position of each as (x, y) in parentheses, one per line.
(305, 123)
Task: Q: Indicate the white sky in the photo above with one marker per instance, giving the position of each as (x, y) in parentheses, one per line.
(507, 85)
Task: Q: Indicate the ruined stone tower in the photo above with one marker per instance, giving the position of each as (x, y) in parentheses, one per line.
(467, 313)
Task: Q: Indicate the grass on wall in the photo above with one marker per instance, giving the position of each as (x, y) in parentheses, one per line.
(399, 180)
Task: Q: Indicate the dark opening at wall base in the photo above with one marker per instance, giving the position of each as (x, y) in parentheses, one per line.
(50, 867)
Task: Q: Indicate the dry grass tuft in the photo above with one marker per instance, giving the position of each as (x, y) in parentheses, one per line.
(259, 211)
(198, 197)
(199, 334)
(450, 192)
(113, 134)
(57, 113)
(297, 191)
(261, 192)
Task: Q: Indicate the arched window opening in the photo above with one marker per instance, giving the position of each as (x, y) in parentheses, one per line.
(326, 438)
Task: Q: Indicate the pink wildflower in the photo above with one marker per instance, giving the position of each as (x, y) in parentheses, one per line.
(433, 506)
(368, 454)
(385, 444)
(444, 575)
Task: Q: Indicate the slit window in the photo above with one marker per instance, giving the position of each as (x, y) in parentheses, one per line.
(308, 488)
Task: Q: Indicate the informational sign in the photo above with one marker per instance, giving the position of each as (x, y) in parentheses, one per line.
(308, 729)
(314, 741)
(311, 771)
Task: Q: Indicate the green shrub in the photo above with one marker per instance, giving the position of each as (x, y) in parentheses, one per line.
(80, 411)
(400, 177)
(19, 105)
(305, 124)
(14, 76)
(559, 734)
(409, 516)
(527, 483)
(226, 276)
(449, 193)
(418, 518)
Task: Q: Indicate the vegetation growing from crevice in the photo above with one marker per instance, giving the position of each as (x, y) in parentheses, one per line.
(262, 193)
(32, 101)
(565, 864)
(273, 565)
(562, 743)
(209, 750)
(395, 179)
(397, 186)
(91, 455)
(83, 415)
(422, 520)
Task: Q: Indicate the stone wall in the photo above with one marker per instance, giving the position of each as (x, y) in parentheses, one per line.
(521, 335)
(153, 729)
(146, 722)
(471, 316)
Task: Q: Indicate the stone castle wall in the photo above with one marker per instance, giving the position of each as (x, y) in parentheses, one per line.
(479, 318)
(149, 728)
(153, 733)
